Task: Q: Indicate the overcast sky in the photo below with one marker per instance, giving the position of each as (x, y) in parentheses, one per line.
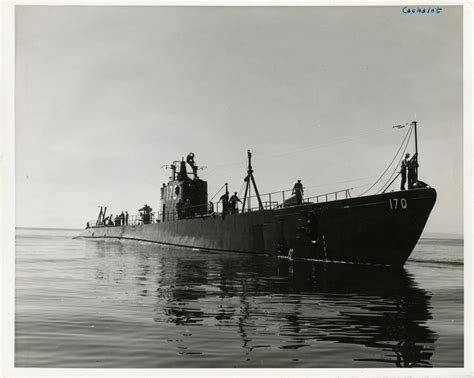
(107, 95)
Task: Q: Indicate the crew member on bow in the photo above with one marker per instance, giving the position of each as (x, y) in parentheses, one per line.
(412, 171)
(403, 170)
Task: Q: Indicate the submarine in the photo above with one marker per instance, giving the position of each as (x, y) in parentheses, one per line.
(378, 229)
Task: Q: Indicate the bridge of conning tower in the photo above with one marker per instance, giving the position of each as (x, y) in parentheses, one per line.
(183, 196)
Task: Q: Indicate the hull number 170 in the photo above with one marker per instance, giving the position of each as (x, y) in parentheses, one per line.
(397, 203)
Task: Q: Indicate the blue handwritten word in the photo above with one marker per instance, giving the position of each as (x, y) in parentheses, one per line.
(420, 10)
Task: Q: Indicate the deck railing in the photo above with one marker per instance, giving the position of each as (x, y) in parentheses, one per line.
(270, 201)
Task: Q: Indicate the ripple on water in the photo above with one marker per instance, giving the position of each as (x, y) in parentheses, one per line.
(108, 304)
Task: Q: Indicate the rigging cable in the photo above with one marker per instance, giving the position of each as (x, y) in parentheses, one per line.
(386, 169)
(390, 180)
(241, 188)
(340, 182)
(304, 149)
(217, 192)
(309, 148)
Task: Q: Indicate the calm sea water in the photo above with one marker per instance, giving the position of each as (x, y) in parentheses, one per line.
(109, 304)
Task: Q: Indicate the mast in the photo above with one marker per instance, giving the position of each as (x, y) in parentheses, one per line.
(416, 145)
(250, 196)
(251, 181)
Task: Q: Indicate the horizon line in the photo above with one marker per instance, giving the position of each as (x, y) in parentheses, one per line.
(80, 229)
(47, 228)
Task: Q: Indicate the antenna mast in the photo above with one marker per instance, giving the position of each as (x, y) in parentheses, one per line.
(416, 145)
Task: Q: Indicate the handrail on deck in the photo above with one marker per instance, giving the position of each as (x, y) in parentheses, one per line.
(268, 204)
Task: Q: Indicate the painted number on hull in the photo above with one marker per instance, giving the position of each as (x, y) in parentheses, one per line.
(397, 203)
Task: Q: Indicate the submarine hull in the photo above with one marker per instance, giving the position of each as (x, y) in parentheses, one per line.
(379, 229)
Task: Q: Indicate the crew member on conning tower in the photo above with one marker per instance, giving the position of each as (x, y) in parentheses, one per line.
(192, 163)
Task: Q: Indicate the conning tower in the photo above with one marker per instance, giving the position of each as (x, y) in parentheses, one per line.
(183, 197)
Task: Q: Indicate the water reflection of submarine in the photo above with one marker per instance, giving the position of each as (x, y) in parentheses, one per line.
(340, 303)
(384, 310)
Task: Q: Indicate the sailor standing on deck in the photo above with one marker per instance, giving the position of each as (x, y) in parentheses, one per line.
(233, 203)
(403, 170)
(211, 207)
(187, 208)
(298, 191)
(145, 214)
(225, 202)
(179, 209)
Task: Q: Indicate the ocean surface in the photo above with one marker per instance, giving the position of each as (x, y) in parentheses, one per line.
(105, 304)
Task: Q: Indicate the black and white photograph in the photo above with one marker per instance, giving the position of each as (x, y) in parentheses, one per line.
(252, 187)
